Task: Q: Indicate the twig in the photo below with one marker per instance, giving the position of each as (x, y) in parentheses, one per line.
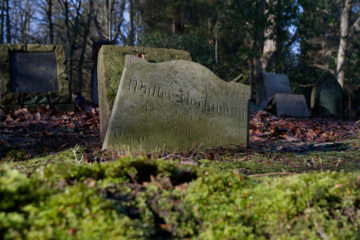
(175, 156)
(74, 150)
(272, 174)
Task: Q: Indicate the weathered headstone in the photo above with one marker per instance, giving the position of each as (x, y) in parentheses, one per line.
(33, 74)
(111, 60)
(327, 97)
(271, 84)
(293, 105)
(176, 106)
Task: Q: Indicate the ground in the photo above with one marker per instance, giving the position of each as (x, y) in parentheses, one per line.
(299, 179)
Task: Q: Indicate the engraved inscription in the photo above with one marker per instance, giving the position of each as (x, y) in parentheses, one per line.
(138, 87)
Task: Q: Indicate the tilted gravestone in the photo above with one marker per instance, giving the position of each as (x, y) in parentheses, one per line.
(327, 97)
(176, 106)
(111, 60)
(33, 74)
(271, 84)
(293, 105)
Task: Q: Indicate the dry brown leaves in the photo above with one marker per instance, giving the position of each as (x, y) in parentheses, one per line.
(43, 130)
(266, 127)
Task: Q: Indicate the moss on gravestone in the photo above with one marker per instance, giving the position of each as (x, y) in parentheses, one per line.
(111, 60)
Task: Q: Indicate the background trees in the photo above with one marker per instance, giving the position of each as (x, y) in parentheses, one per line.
(236, 39)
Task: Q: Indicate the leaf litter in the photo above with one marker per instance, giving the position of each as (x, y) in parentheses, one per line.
(43, 131)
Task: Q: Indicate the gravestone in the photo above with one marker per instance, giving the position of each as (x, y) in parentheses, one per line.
(271, 84)
(327, 97)
(94, 83)
(32, 75)
(176, 106)
(111, 60)
(293, 105)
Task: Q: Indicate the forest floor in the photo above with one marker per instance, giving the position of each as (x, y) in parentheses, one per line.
(299, 179)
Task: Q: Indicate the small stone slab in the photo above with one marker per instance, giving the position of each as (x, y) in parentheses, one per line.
(33, 72)
(293, 105)
(327, 97)
(111, 60)
(271, 84)
(176, 106)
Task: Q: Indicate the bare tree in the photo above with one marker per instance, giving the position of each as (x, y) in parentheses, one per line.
(344, 31)
(71, 24)
(50, 23)
(2, 19)
(85, 35)
(8, 27)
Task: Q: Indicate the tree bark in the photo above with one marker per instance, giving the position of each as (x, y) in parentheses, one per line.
(2, 22)
(108, 8)
(69, 48)
(344, 31)
(119, 22)
(269, 43)
(258, 47)
(83, 46)
(131, 27)
(8, 26)
(50, 21)
(217, 39)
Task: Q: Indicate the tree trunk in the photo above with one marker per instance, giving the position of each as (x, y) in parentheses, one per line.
(28, 12)
(258, 48)
(83, 46)
(49, 20)
(131, 27)
(119, 22)
(8, 26)
(69, 48)
(24, 24)
(108, 8)
(2, 22)
(344, 31)
(269, 44)
(217, 39)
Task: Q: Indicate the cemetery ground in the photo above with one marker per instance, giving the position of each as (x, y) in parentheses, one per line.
(299, 179)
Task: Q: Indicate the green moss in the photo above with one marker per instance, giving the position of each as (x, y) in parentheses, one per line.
(140, 198)
(15, 155)
(153, 199)
(114, 60)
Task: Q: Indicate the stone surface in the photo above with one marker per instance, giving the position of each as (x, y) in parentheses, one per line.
(111, 60)
(176, 106)
(293, 105)
(26, 70)
(33, 72)
(271, 84)
(327, 97)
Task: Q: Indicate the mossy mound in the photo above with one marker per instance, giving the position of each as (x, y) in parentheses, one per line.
(157, 199)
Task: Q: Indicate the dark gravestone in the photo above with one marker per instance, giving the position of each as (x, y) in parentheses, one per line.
(271, 84)
(327, 97)
(293, 105)
(33, 72)
(94, 83)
